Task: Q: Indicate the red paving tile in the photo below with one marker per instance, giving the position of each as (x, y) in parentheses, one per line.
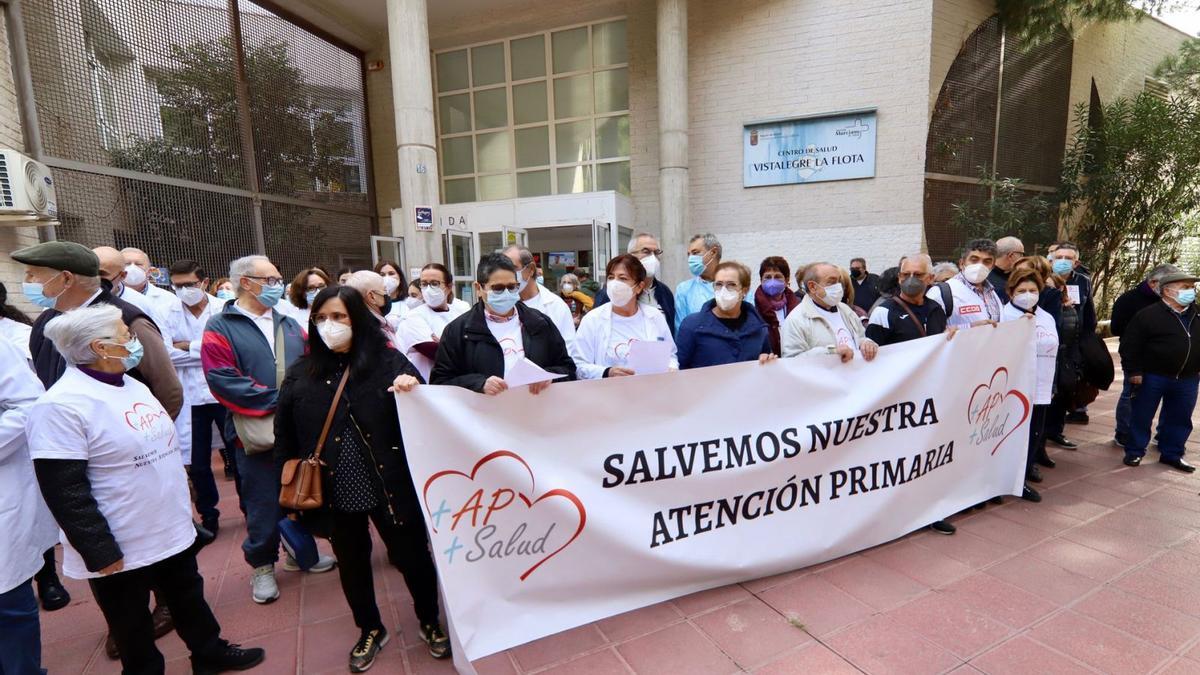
(1099, 577)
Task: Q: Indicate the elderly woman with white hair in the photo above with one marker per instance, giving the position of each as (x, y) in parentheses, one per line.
(108, 464)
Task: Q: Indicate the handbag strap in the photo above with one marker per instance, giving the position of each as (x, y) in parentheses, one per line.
(280, 354)
(912, 315)
(329, 416)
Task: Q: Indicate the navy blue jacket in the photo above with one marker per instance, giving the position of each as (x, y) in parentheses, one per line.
(662, 295)
(704, 341)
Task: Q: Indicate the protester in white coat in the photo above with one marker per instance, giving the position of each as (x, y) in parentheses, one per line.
(607, 333)
(422, 327)
(26, 526)
(822, 323)
(537, 296)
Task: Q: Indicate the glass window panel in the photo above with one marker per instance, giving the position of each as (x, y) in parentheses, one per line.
(533, 184)
(529, 103)
(487, 65)
(495, 153)
(608, 44)
(457, 156)
(452, 71)
(455, 113)
(573, 142)
(573, 96)
(491, 108)
(459, 190)
(574, 179)
(612, 90)
(613, 176)
(491, 242)
(533, 147)
(612, 137)
(528, 57)
(570, 50)
(496, 187)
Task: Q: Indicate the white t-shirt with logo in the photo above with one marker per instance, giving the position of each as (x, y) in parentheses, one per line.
(842, 334)
(1046, 341)
(508, 334)
(624, 331)
(134, 465)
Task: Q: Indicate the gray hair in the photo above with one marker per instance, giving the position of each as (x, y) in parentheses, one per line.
(1161, 271)
(244, 266)
(568, 278)
(634, 240)
(710, 241)
(811, 273)
(1006, 245)
(365, 281)
(523, 254)
(74, 332)
(945, 266)
(921, 258)
(87, 283)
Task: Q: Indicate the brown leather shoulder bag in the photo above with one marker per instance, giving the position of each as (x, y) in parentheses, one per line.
(300, 483)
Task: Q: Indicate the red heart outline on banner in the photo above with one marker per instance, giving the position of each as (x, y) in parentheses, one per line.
(529, 503)
(1026, 408)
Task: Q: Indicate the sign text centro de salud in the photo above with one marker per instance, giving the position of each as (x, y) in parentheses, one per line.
(840, 146)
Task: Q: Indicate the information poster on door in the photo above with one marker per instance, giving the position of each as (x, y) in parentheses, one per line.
(840, 146)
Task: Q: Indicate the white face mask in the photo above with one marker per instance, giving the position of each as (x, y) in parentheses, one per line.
(134, 275)
(976, 273)
(727, 299)
(435, 296)
(412, 303)
(1027, 300)
(833, 294)
(191, 296)
(619, 292)
(390, 284)
(650, 262)
(335, 335)
(568, 288)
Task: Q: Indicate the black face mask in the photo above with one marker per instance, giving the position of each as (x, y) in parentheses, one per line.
(387, 305)
(857, 274)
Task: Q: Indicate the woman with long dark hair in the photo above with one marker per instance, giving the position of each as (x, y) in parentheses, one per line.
(396, 287)
(365, 474)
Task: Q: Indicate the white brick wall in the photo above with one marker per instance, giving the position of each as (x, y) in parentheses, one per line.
(11, 238)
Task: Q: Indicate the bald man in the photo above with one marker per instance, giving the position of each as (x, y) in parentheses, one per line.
(113, 269)
(137, 276)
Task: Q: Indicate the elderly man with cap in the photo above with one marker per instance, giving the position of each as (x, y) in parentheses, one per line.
(114, 270)
(1160, 354)
(137, 277)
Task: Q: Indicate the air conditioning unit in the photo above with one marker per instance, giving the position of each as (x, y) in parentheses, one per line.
(26, 191)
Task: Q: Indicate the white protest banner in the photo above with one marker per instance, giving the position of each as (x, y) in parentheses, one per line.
(594, 498)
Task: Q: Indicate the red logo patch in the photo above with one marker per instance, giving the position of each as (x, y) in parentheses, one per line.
(990, 410)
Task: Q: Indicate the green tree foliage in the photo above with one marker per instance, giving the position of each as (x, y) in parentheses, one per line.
(1131, 186)
(1037, 20)
(1009, 210)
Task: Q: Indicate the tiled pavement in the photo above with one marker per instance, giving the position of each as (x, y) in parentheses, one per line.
(1099, 577)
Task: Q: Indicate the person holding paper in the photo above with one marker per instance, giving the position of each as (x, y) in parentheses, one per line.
(823, 324)
(478, 348)
(420, 331)
(727, 329)
(608, 333)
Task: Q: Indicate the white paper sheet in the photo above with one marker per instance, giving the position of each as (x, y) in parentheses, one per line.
(1073, 293)
(525, 372)
(649, 358)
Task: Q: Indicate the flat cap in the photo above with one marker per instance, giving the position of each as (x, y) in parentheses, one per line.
(1176, 277)
(61, 255)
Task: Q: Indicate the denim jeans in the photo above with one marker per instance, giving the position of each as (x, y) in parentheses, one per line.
(200, 471)
(260, 498)
(20, 632)
(1178, 399)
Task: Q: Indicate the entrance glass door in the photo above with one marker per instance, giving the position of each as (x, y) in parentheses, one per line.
(460, 258)
(388, 248)
(602, 247)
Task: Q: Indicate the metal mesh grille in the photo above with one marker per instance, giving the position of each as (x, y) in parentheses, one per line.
(145, 131)
(962, 127)
(942, 237)
(1034, 107)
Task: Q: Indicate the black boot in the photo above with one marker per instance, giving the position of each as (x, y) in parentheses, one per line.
(1043, 458)
(52, 594)
(1033, 474)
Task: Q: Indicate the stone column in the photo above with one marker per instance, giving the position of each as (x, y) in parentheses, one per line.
(416, 132)
(673, 135)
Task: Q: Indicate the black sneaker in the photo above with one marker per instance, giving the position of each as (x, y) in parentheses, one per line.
(52, 594)
(439, 644)
(362, 657)
(942, 527)
(227, 657)
(1031, 495)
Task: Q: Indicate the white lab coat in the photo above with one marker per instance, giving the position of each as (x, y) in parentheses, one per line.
(595, 332)
(420, 325)
(181, 326)
(16, 333)
(26, 527)
(559, 314)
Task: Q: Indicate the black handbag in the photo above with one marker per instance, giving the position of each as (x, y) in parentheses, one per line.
(1097, 363)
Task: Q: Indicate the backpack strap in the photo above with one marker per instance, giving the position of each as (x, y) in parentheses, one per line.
(947, 298)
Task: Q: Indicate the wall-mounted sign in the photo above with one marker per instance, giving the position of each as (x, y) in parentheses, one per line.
(839, 146)
(424, 219)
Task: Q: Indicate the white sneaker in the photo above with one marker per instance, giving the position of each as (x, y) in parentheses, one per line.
(324, 564)
(262, 585)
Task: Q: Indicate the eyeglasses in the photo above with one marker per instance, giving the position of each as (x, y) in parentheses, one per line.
(430, 284)
(500, 288)
(647, 252)
(719, 285)
(266, 281)
(316, 288)
(189, 284)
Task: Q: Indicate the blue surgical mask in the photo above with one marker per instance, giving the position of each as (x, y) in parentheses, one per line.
(502, 302)
(270, 295)
(134, 347)
(1062, 266)
(1186, 297)
(696, 265)
(226, 294)
(35, 293)
(310, 296)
